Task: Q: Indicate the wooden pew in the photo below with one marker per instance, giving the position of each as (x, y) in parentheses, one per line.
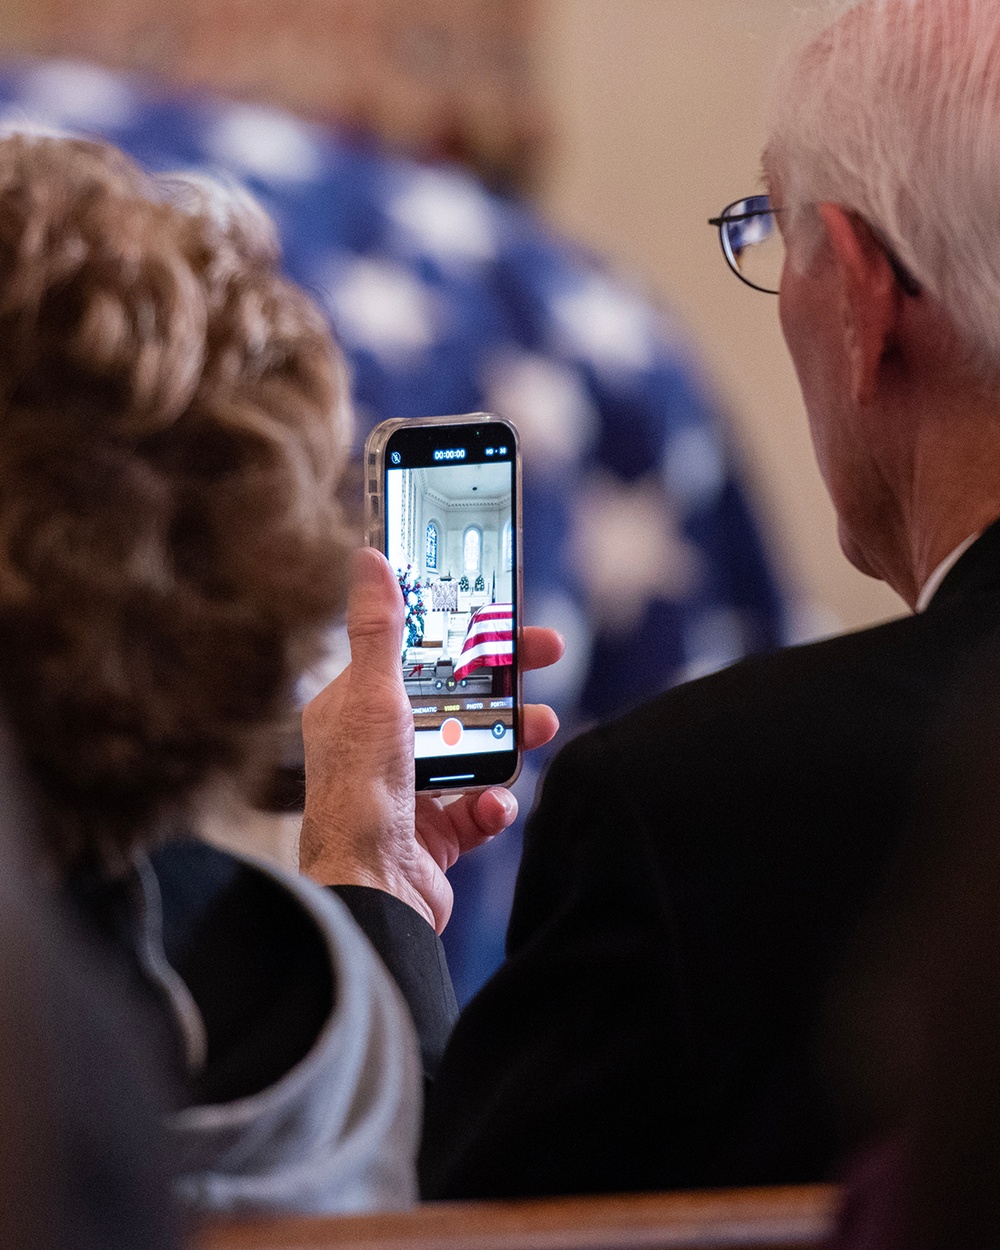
(789, 1218)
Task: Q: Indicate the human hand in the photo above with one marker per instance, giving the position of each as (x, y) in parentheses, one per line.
(363, 823)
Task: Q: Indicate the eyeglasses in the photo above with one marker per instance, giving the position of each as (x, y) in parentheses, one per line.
(755, 251)
(752, 243)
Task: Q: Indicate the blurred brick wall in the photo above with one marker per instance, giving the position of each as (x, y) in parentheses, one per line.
(433, 77)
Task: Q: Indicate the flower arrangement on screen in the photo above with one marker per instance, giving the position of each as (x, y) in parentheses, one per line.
(411, 588)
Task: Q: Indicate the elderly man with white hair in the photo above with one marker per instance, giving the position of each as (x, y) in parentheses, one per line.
(693, 871)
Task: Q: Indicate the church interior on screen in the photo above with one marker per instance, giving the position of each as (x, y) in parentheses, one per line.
(451, 543)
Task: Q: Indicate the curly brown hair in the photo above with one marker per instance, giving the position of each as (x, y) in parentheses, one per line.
(173, 420)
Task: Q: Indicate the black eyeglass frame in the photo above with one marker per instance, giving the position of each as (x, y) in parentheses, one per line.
(723, 220)
(907, 282)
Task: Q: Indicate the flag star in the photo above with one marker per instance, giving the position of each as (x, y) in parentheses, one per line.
(266, 142)
(693, 468)
(605, 324)
(445, 214)
(547, 401)
(712, 640)
(378, 305)
(562, 682)
(626, 549)
(78, 96)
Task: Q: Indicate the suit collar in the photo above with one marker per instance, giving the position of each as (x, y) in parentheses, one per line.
(933, 583)
(978, 569)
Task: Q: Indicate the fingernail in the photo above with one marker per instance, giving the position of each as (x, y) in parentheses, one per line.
(367, 567)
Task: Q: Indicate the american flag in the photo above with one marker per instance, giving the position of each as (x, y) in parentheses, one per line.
(489, 639)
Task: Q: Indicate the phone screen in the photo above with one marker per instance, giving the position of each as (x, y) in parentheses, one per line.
(450, 534)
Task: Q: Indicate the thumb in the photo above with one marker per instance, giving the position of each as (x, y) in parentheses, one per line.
(375, 615)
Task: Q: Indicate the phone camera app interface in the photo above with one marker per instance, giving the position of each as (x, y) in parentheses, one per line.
(450, 540)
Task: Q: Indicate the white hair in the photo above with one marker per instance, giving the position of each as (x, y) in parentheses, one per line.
(894, 111)
(226, 202)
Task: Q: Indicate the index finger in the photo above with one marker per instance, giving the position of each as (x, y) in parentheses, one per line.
(540, 647)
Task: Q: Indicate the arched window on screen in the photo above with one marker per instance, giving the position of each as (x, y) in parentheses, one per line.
(508, 547)
(431, 537)
(472, 550)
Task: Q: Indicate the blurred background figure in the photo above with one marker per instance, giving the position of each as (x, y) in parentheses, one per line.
(83, 1160)
(449, 297)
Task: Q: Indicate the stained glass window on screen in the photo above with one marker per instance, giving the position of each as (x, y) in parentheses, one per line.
(472, 549)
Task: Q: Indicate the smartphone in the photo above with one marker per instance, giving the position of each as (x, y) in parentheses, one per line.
(444, 506)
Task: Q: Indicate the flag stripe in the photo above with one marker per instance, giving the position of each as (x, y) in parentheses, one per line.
(489, 640)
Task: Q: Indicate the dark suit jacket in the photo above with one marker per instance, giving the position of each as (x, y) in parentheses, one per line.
(690, 875)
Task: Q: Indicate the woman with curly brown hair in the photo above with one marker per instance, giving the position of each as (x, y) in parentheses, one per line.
(173, 418)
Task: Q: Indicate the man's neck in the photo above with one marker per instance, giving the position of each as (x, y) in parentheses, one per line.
(948, 490)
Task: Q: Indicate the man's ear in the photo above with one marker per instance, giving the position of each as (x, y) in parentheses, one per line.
(869, 296)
